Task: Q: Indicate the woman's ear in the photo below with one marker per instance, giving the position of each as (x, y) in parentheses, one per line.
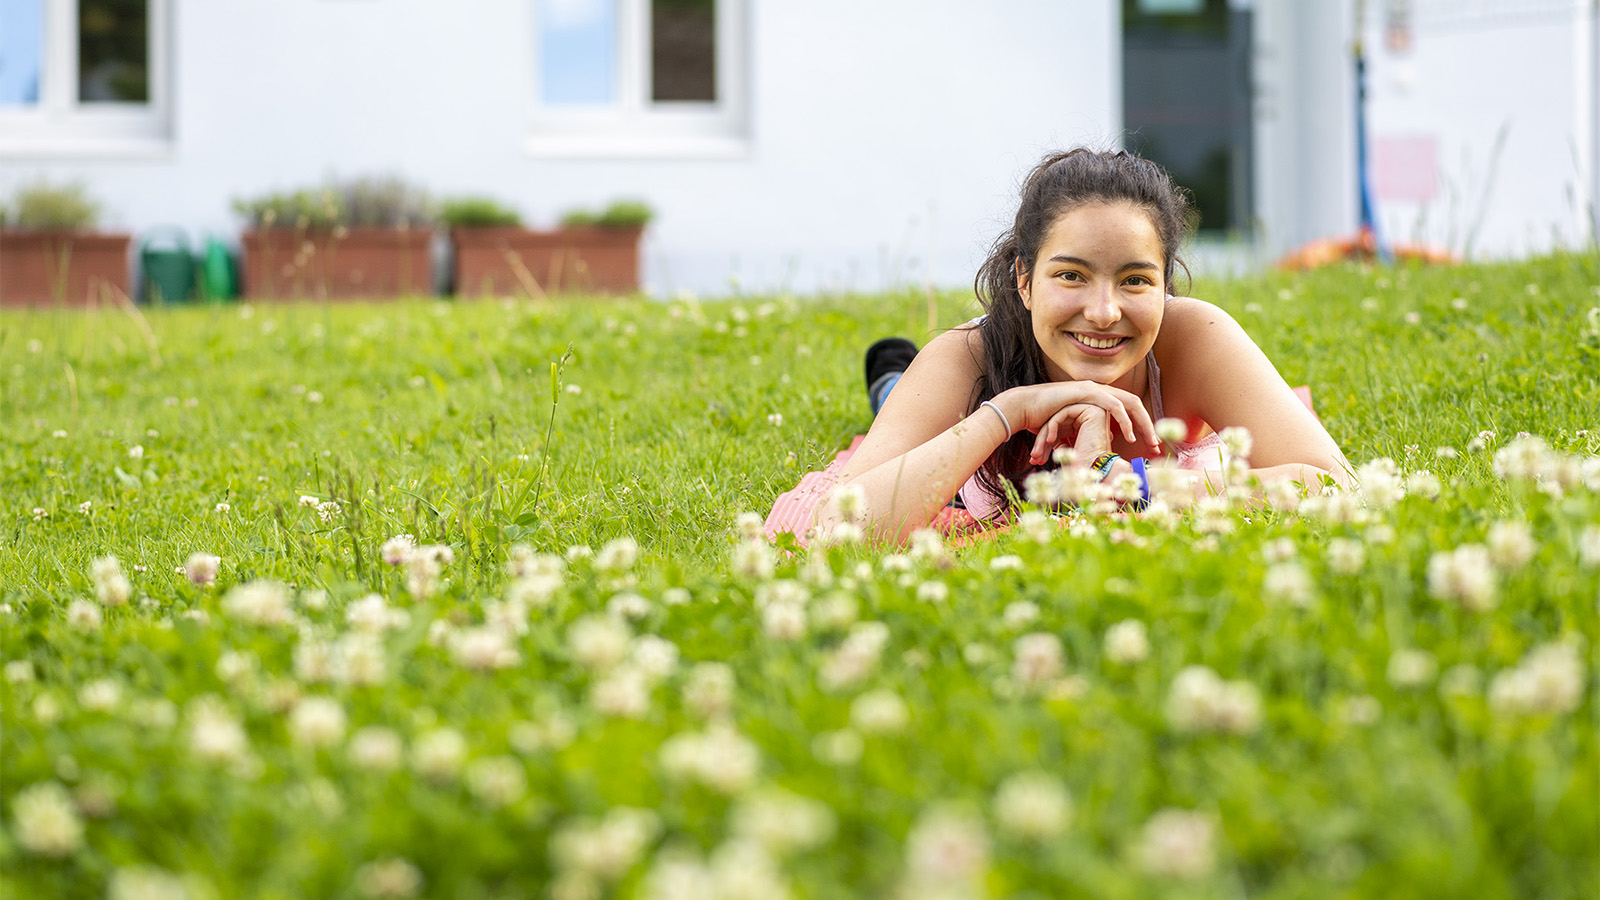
(1022, 283)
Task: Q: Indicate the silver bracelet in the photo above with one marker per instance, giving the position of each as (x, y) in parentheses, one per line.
(1003, 420)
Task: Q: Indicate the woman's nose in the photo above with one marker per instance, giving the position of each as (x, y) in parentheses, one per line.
(1102, 310)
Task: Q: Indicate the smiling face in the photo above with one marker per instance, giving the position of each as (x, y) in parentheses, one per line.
(1096, 294)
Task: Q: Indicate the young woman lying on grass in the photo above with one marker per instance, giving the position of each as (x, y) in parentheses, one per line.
(1081, 347)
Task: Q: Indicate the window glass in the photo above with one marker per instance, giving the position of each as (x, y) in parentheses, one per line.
(21, 43)
(114, 51)
(1186, 100)
(578, 51)
(683, 50)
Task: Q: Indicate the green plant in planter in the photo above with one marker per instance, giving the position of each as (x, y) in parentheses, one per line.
(292, 209)
(477, 212)
(387, 202)
(626, 214)
(620, 214)
(44, 207)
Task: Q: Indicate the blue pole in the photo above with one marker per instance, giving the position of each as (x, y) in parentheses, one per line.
(1369, 210)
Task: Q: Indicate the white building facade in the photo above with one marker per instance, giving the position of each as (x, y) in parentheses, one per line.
(821, 145)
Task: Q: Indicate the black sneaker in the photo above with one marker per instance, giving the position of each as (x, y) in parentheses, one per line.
(888, 356)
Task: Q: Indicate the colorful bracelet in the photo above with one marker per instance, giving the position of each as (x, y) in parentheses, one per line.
(1102, 464)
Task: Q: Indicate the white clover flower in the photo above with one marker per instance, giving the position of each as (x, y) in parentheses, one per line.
(933, 591)
(598, 643)
(483, 649)
(708, 692)
(372, 614)
(1042, 487)
(851, 503)
(604, 849)
(1380, 483)
(719, 757)
(1511, 544)
(1412, 668)
(783, 822)
(201, 568)
(654, 656)
(1464, 575)
(317, 722)
(1033, 806)
(618, 555)
(327, 509)
(523, 562)
(44, 820)
(1237, 441)
(215, 735)
(308, 500)
(111, 586)
(1127, 642)
(1019, 613)
(1280, 550)
(423, 571)
(85, 616)
(1289, 582)
(676, 596)
(497, 781)
(1036, 524)
(1172, 431)
(1039, 659)
(1178, 843)
(1423, 484)
(843, 533)
(838, 748)
(19, 671)
(577, 552)
(397, 550)
(391, 878)
(835, 612)
(1549, 680)
(1589, 547)
(224, 508)
(855, 657)
(1199, 700)
(623, 692)
(1346, 556)
(879, 711)
(1524, 459)
(438, 755)
(750, 526)
(1005, 562)
(376, 749)
(147, 883)
(946, 845)
(784, 620)
(100, 695)
(258, 603)
(754, 559)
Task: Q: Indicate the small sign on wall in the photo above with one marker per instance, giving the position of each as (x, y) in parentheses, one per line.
(1406, 168)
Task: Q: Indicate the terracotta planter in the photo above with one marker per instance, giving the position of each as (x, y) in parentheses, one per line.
(66, 268)
(343, 264)
(501, 261)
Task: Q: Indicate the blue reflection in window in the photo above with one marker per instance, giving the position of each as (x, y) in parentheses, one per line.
(21, 46)
(578, 51)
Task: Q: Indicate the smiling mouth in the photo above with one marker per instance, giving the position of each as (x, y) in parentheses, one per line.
(1099, 343)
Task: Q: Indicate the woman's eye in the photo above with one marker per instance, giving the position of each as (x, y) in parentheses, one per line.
(1139, 280)
(1071, 276)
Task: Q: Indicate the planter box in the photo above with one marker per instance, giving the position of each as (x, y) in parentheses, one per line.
(500, 261)
(343, 264)
(65, 268)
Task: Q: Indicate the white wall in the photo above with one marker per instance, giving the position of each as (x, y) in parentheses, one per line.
(887, 138)
(1524, 70)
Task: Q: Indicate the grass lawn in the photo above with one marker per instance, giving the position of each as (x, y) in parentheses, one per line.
(580, 682)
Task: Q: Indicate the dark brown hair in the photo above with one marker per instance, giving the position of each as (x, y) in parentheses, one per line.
(1060, 183)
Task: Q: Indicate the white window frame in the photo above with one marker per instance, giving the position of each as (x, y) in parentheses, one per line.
(60, 125)
(634, 125)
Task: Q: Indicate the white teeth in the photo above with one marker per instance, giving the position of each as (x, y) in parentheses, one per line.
(1098, 343)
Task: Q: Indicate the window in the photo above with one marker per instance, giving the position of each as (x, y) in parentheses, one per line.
(83, 76)
(639, 78)
(1186, 100)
